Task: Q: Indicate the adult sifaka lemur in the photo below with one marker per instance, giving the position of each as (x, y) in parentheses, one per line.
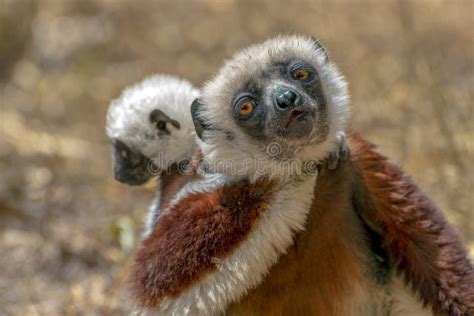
(279, 240)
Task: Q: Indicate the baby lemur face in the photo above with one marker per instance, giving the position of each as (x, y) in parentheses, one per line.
(130, 165)
(283, 91)
(150, 127)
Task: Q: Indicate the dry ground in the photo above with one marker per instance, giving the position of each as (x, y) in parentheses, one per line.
(67, 229)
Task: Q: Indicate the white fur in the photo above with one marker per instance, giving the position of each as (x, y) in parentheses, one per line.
(128, 121)
(246, 267)
(249, 264)
(404, 302)
(218, 93)
(128, 118)
(209, 183)
(153, 211)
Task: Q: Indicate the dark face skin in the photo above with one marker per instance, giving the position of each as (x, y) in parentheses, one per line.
(285, 100)
(130, 167)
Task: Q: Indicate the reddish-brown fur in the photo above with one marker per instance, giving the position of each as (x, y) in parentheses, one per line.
(200, 230)
(427, 250)
(331, 257)
(173, 179)
(317, 275)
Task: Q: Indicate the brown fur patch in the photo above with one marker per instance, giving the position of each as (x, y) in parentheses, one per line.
(172, 180)
(328, 265)
(322, 271)
(317, 274)
(427, 250)
(186, 243)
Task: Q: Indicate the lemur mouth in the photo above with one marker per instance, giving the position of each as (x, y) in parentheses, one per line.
(296, 115)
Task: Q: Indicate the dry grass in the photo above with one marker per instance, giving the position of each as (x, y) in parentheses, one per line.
(66, 226)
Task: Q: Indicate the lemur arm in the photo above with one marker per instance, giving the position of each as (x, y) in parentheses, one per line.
(430, 255)
(190, 235)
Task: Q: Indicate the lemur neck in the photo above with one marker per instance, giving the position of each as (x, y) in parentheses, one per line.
(275, 160)
(252, 169)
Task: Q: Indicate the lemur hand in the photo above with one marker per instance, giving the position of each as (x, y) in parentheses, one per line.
(342, 153)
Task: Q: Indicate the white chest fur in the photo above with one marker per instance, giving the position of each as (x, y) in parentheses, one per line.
(246, 267)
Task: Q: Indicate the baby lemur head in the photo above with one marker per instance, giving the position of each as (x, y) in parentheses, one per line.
(284, 92)
(151, 120)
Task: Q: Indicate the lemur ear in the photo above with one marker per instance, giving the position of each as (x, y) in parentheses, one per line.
(199, 124)
(159, 118)
(320, 48)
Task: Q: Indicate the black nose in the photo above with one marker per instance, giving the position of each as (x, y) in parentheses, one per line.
(286, 99)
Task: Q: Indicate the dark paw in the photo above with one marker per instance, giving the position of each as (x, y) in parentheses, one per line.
(160, 119)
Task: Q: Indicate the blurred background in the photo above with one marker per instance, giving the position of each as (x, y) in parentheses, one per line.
(68, 230)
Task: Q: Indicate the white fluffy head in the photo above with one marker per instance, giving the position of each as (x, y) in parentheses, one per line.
(249, 65)
(128, 118)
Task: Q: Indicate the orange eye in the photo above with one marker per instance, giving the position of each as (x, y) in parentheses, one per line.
(300, 74)
(246, 108)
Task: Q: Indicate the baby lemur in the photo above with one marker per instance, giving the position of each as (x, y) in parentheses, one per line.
(151, 129)
(280, 240)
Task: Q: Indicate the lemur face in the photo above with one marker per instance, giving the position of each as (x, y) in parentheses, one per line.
(130, 165)
(150, 128)
(283, 100)
(283, 91)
